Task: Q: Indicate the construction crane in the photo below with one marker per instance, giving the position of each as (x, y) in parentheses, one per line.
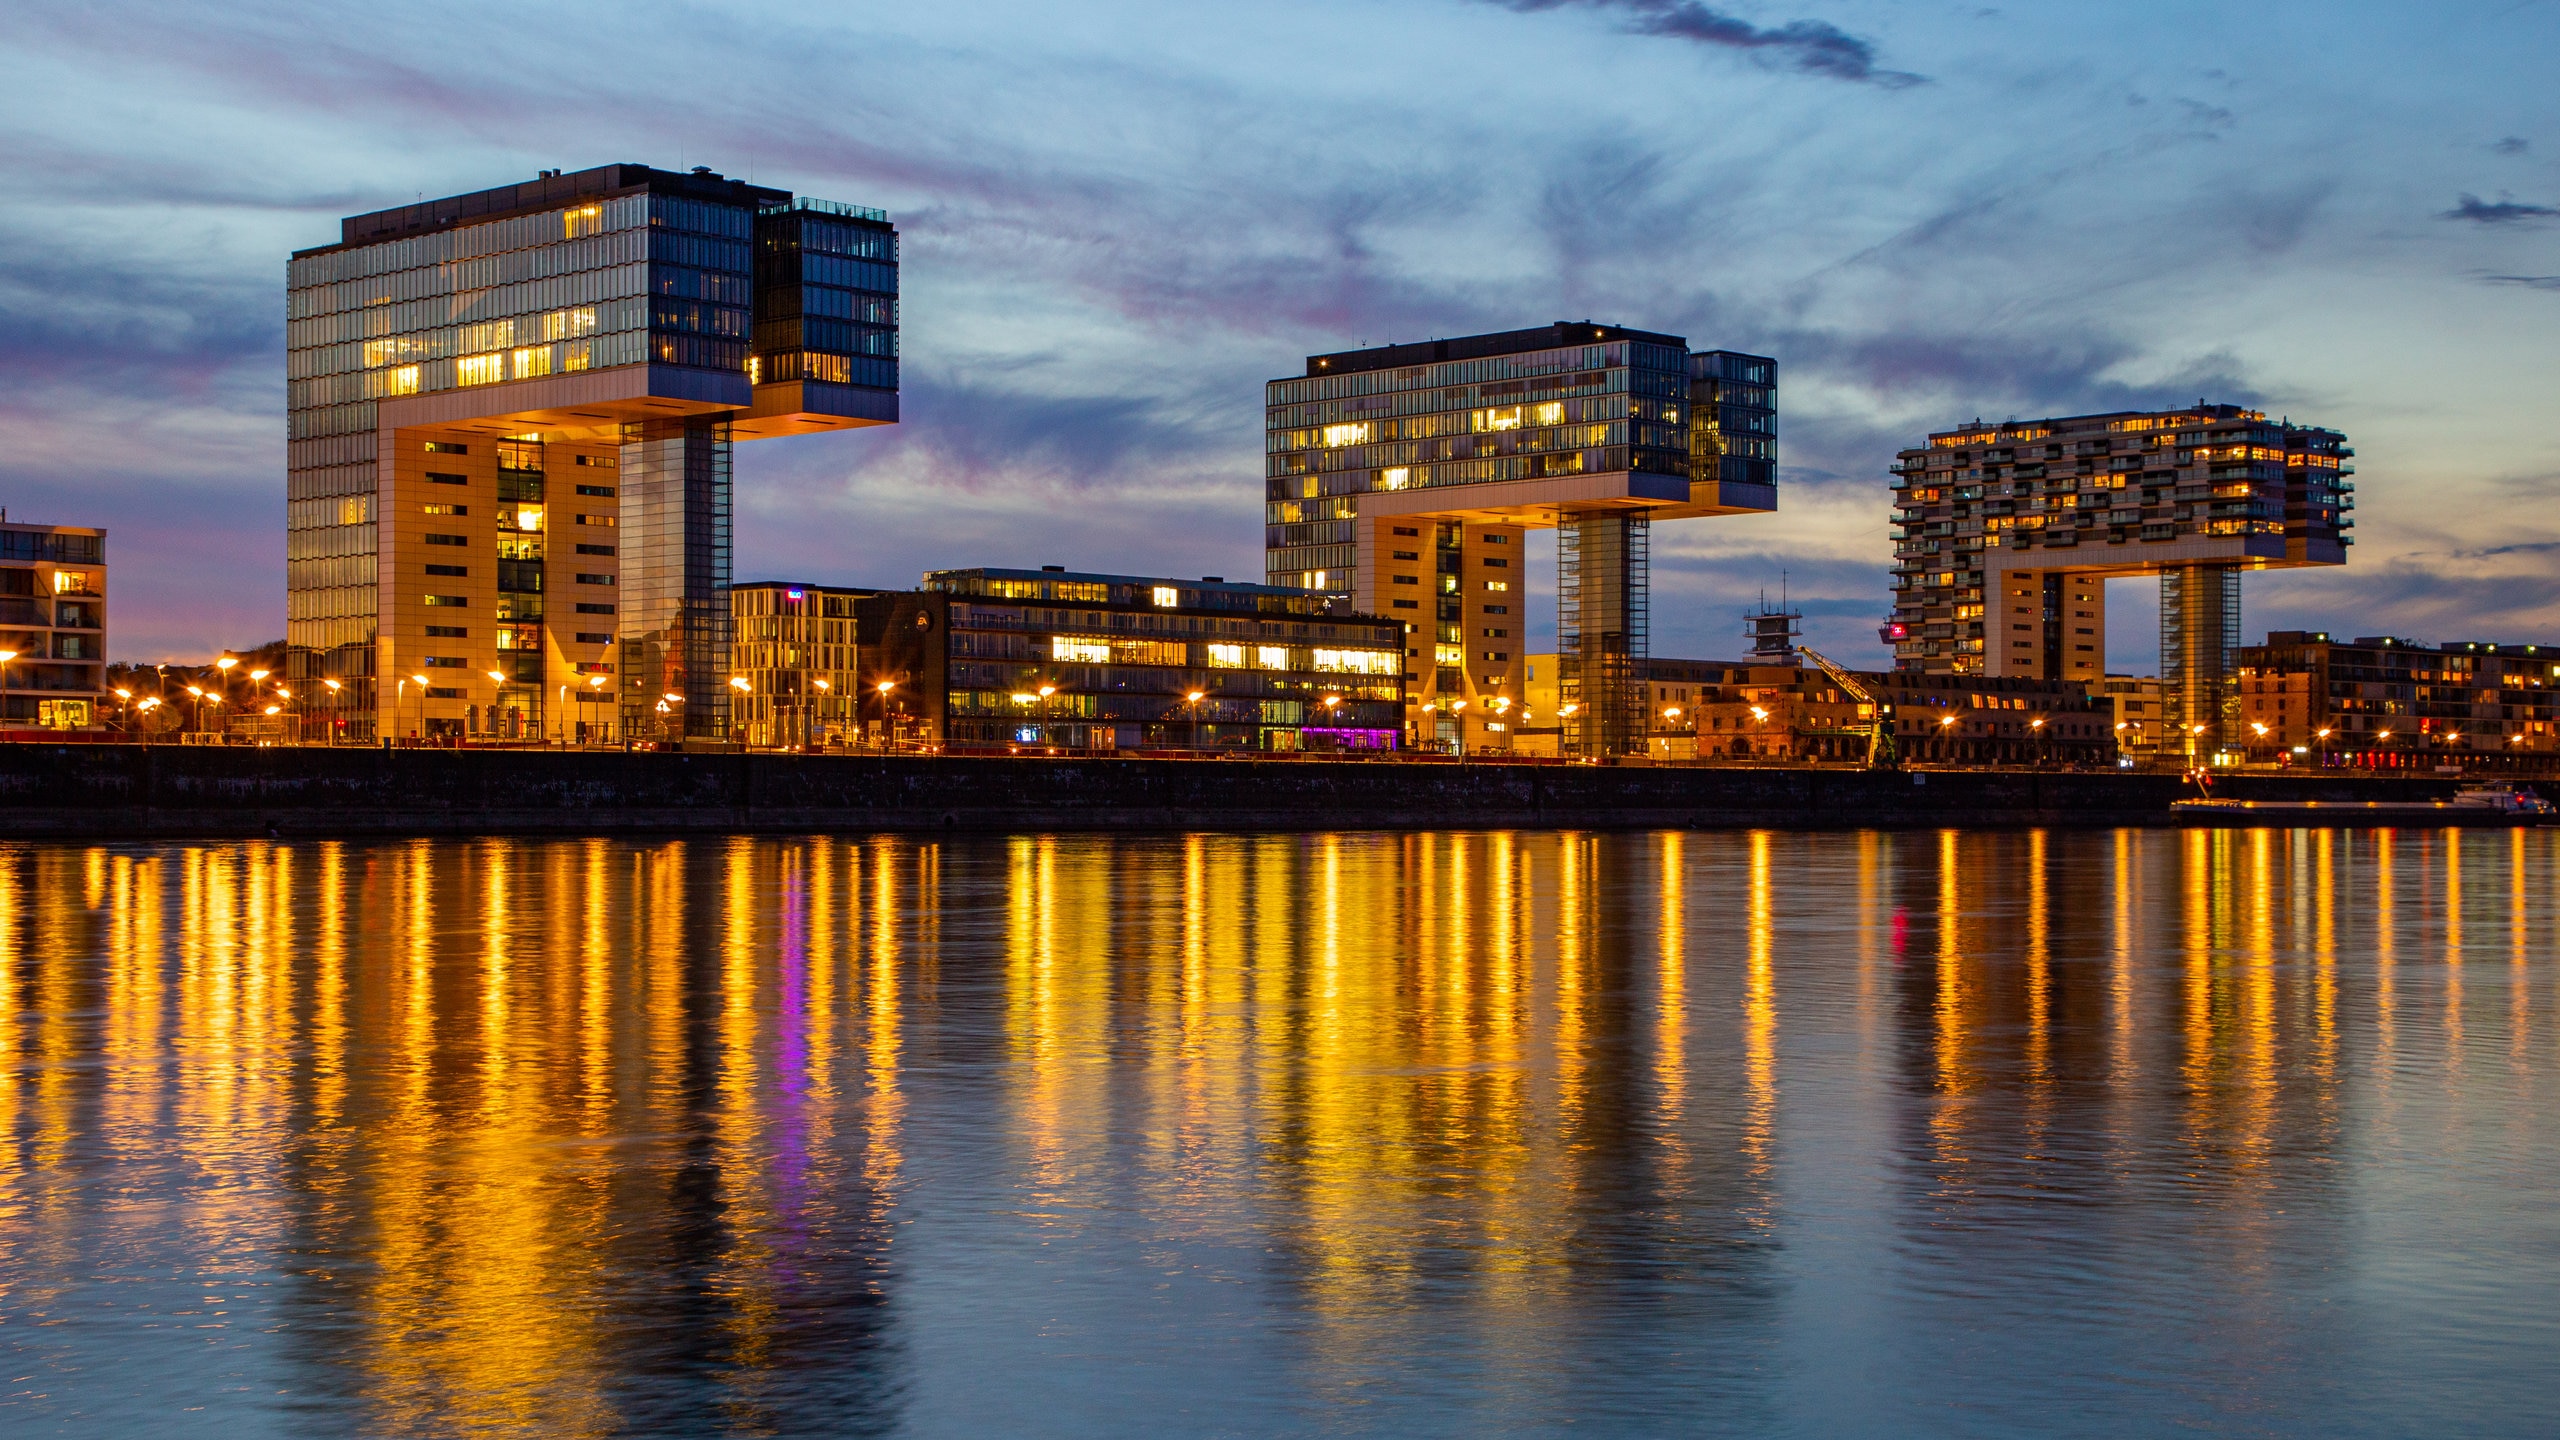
(1882, 753)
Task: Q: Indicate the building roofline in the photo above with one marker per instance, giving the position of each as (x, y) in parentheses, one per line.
(549, 190)
(1480, 347)
(1090, 577)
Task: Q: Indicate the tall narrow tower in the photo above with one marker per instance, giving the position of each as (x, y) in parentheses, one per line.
(510, 420)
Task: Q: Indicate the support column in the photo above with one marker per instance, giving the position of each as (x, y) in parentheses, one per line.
(2199, 648)
(674, 606)
(1602, 569)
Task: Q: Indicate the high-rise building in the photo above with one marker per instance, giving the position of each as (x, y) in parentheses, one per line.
(2007, 534)
(511, 415)
(1403, 478)
(53, 624)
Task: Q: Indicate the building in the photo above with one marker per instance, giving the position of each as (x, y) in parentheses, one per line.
(53, 623)
(796, 671)
(1400, 480)
(1050, 658)
(511, 417)
(2137, 706)
(2383, 701)
(2006, 535)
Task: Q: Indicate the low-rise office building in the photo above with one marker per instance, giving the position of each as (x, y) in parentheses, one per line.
(53, 622)
(796, 673)
(1056, 659)
(2140, 714)
(2381, 700)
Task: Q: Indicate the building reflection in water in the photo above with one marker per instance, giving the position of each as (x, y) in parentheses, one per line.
(780, 1135)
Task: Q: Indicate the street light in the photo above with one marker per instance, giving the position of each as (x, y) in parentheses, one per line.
(5, 657)
(1193, 700)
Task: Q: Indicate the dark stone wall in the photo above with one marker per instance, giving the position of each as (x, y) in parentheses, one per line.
(162, 790)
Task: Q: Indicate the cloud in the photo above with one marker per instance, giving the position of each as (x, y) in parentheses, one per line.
(2512, 145)
(1810, 46)
(2530, 282)
(2501, 212)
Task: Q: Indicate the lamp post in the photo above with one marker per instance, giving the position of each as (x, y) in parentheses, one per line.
(888, 726)
(421, 682)
(5, 657)
(808, 717)
(1045, 712)
(739, 684)
(1193, 700)
(1332, 710)
(2035, 727)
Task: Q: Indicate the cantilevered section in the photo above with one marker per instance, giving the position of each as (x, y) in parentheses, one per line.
(2007, 534)
(1402, 478)
(510, 421)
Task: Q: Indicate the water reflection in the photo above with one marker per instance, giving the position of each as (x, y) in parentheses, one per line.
(1421, 1133)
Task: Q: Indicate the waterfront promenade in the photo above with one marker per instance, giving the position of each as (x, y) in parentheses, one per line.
(166, 791)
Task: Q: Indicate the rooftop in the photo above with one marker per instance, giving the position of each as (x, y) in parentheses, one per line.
(548, 190)
(1478, 347)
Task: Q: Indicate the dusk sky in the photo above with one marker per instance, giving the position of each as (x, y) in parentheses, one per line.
(1120, 219)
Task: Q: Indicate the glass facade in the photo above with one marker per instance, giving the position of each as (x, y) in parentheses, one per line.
(1048, 659)
(53, 621)
(598, 322)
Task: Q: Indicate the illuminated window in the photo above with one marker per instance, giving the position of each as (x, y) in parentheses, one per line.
(404, 381)
(1227, 657)
(533, 361)
(569, 324)
(1451, 654)
(1080, 652)
(1166, 597)
(1358, 662)
(444, 509)
(585, 220)
(1497, 584)
(1340, 435)
(1507, 418)
(71, 582)
(1395, 479)
(1551, 413)
(355, 510)
(479, 369)
(577, 356)
(1271, 657)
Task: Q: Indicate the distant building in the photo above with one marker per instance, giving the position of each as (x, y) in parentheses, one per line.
(1052, 658)
(2381, 700)
(1715, 709)
(53, 616)
(798, 656)
(2139, 722)
(1401, 479)
(2007, 533)
(510, 419)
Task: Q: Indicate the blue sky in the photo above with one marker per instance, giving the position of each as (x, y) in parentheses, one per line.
(1120, 219)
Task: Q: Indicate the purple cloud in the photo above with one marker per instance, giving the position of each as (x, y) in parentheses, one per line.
(1811, 46)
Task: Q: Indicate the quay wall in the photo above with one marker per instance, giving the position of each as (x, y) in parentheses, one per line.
(156, 791)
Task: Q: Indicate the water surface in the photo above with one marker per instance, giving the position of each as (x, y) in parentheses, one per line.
(2233, 1132)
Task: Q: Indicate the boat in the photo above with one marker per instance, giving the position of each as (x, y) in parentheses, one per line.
(2494, 804)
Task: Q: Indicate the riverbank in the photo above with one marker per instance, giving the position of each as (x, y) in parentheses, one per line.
(67, 791)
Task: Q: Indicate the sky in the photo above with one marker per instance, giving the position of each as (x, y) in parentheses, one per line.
(1119, 219)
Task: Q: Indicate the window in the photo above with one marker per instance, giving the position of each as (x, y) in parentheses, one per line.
(1227, 657)
(444, 662)
(1405, 555)
(606, 461)
(1497, 635)
(595, 579)
(1271, 657)
(1496, 563)
(1395, 479)
(1497, 539)
(1406, 530)
(594, 637)
(404, 380)
(1497, 585)
(435, 539)
(1408, 580)
(535, 360)
(602, 492)
(446, 447)
(444, 509)
(590, 607)
(1358, 662)
(604, 520)
(447, 632)
(451, 600)
(1080, 652)
(1336, 436)
(479, 369)
(595, 549)
(1497, 609)
(1166, 597)
(456, 571)
(1408, 605)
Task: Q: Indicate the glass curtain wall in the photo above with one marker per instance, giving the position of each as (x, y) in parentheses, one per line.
(1602, 624)
(2199, 645)
(674, 611)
